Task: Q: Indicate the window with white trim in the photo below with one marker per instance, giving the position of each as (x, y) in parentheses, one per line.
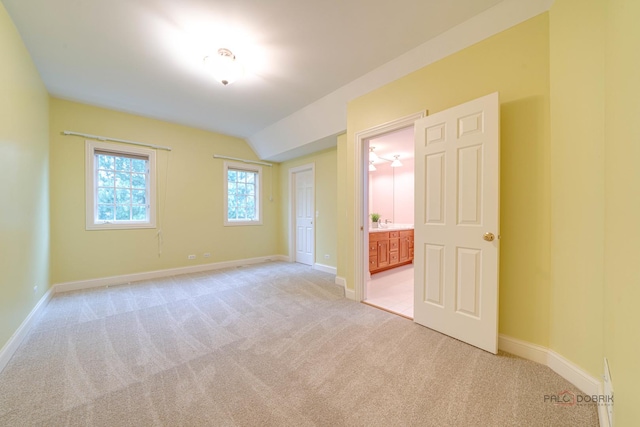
(242, 194)
(120, 184)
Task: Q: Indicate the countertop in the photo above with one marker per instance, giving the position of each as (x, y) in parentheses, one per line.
(391, 227)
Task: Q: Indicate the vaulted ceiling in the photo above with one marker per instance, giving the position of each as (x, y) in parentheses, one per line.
(301, 58)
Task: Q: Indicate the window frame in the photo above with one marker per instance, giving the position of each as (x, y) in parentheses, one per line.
(91, 185)
(247, 168)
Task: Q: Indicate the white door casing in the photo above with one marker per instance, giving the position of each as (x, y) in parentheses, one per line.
(456, 203)
(360, 202)
(303, 204)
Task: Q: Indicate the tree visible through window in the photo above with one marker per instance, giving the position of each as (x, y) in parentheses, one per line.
(120, 186)
(242, 189)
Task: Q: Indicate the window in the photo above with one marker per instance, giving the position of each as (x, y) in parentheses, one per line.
(120, 185)
(242, 187)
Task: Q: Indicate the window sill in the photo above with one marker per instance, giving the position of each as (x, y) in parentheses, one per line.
(241, 223)
(120, 226)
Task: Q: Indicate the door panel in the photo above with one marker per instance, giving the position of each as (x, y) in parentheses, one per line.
(304, 209)
(457, 202)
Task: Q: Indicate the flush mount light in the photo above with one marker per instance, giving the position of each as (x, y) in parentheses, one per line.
(224, 66)
(396, 162)
(371, 166)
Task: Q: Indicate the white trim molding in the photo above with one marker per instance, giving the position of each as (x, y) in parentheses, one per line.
(361, 202)
(348, 293)
(91, 186)
(325, 268)
(563, 367)
(242, 167)
(135, 277)
(21, 333)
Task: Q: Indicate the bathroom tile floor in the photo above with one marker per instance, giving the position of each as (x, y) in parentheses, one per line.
(392, 290)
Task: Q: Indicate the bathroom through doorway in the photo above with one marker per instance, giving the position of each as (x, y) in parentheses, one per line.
(389, 282)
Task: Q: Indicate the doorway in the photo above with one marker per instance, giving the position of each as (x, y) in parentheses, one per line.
(389, 283)
(456, 217)
(302, 197)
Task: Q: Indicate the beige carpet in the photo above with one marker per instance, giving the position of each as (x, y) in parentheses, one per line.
(274, 344)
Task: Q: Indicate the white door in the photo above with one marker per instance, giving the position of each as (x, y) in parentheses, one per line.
(456, 216)
(304, 209)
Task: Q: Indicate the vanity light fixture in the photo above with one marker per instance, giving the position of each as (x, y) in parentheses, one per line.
(395, 163)
(224, 66)
(372, 156)
(371, 166)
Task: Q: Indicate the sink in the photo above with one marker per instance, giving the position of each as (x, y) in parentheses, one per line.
(391, 227)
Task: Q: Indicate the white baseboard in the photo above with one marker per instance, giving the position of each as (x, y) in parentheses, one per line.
(572, 373)
(523, 349)
(348, 293)
(325, 268)
(135, 277)
(563, 367)
(20, 334)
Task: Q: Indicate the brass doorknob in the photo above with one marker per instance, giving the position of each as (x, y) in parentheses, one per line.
(488, 237)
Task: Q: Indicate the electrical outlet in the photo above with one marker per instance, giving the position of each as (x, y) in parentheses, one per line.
(192, 257)
(326, 256)
(206, 255)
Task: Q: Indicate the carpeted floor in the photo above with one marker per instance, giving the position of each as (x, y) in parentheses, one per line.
(273, 344)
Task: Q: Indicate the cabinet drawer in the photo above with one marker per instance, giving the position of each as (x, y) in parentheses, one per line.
(393, 258)
(373, 262)
(394, 234)
(394, 244)
(373, 237)
(406, 233)
(373, 248)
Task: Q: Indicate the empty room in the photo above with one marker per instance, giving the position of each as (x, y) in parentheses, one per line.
(319, 213)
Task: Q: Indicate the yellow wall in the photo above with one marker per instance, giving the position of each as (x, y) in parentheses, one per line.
(622, 214)
(189, 200)
(577, 180)
(325, 204)
(515, 63)
(595, 55)
(24, 181)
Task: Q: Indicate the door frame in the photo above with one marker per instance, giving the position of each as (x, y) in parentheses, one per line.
(361, 170)
(292, 209)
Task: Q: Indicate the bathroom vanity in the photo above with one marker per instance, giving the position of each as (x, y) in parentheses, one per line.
(390, 248)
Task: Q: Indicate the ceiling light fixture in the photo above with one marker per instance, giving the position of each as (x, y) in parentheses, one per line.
(224, 66)
(372, 156)
(395, 163)
(371, 166)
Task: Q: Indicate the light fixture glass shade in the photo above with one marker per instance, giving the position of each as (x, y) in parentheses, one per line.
(396, 162)
(371, 166)
(372, 156)
(224, 67)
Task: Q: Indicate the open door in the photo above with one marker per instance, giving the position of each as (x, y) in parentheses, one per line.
(457, 222)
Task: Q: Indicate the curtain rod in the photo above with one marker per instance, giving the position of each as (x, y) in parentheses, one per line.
(217, 156)
(106, 138)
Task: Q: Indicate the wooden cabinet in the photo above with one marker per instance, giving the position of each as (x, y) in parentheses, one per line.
(389, 249)
(406, 245)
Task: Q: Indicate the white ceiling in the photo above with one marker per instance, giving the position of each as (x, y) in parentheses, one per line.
(399, 143)
(145, 56)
